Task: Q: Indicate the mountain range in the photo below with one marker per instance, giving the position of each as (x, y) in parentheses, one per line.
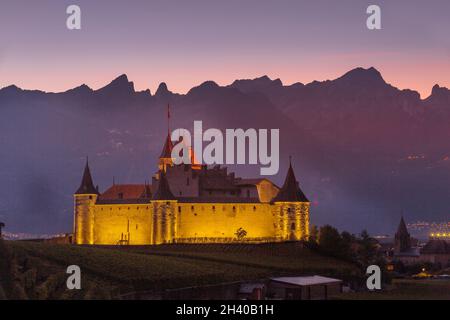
(363, 150)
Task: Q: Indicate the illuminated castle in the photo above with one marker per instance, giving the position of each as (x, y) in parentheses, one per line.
(190, 204)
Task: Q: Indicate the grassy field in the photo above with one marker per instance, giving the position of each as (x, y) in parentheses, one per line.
(108, 272)
(36, 270)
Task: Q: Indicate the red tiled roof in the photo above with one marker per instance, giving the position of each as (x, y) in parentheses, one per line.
(124, 191)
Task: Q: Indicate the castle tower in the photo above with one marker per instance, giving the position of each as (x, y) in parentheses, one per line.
(164, 213)
(84, 201)
(402, 242)
(165, 159)
(292, 209)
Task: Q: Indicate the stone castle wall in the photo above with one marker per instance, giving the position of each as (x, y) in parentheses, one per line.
(169, 221)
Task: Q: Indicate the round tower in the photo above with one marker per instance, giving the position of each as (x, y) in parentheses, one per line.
(291, 210)
(84, 200)
(164, 213)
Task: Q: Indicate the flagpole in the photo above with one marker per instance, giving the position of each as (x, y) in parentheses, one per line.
(168, 119)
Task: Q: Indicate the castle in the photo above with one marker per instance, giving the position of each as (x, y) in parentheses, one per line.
(190, 203)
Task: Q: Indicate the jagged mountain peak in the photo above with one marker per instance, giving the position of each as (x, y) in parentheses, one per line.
(361, 75)
(440, 96)
(162, 90)
(120, 85)
(437, 90)
(261, 84)
(205, 87)
(11, 88)
(263, 80)
(80, 89)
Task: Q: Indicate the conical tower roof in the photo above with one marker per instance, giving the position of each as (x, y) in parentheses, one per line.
(87, 185)
(402, 229)
(290, 192)
(163, 192)
(167, 149)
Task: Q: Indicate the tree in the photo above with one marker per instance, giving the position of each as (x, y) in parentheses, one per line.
(367, 252)
(330, 240)
(347, 242)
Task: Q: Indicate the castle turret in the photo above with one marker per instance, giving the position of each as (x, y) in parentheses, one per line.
(402, 241)
(165, 159)
(164, 212)
(292, 208)
(84, 200)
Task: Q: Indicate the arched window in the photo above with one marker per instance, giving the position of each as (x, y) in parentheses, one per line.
(292, 226)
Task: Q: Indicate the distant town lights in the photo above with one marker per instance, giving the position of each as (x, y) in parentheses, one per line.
(440, 235)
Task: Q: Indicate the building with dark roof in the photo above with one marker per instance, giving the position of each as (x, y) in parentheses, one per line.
(190, 203)
(436, 251)
(404, 251)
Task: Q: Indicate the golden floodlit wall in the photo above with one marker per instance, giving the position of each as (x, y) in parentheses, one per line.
(222, 220)
(124, 222)
(169, 221)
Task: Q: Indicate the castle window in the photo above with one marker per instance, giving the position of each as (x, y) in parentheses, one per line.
(214, 208)
(120, 195)
(234, 209)
(179, 209)
(90, 197)
(292, 226)
(181, 193)
(187, 181)
(289, 210)
(136, 227)
(192, 208)
(254, 208)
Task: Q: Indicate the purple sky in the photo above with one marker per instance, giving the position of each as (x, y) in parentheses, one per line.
(187, 42)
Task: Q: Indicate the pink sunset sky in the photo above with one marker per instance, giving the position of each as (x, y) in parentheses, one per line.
(185, 43)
